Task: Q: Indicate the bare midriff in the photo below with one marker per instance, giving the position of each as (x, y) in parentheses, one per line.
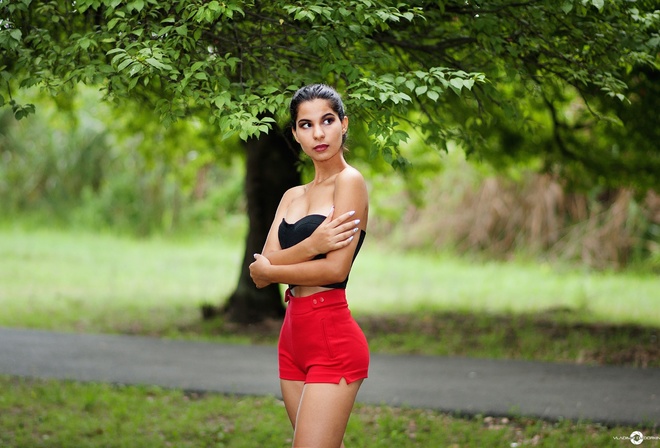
(302, 291)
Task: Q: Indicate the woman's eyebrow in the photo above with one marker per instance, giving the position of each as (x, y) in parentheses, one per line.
(323, 117)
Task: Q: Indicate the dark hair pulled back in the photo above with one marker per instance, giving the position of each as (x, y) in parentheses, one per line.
(316, 92)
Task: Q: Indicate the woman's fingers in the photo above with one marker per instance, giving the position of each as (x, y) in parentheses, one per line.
(256, 271)
(349, 226)
(344, 238)
(340, 219)
(344, 235)
(344, 230)
(334, 233)
(347, 229)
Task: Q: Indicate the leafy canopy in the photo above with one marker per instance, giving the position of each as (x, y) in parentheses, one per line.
(456, 70)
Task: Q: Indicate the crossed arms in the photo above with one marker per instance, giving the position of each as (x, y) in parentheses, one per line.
(335, 237)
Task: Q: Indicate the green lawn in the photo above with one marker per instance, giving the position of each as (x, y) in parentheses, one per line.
(399, 282)
(35, 413)
(66, 280)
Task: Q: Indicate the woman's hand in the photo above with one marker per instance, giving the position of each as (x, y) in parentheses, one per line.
(259, 270)
(334, 234)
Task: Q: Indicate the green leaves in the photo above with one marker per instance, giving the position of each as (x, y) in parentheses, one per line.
(140, 61)
(10, 38)
(425, 85)
(135, 6)
(214, 10)
(451, 70)
(21, 110)
(568, 5)
(157, 62)
(597, 3)
(244, 124)
(393, 96)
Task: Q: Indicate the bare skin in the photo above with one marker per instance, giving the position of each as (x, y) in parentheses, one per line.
(319, 412)
(305, 403)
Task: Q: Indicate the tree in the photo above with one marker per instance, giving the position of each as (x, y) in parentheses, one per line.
(457, 70)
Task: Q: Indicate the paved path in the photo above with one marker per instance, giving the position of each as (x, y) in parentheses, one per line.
(611, 395)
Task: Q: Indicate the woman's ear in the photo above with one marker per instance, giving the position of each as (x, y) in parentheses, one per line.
(295, 136)
(344, 125)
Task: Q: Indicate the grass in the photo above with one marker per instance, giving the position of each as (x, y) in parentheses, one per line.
(391, 281)
(89, 282)
(41, 413)
(406, 303)
(73, 280)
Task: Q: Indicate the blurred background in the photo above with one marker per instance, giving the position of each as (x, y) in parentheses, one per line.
(96, 168)
(450, 233)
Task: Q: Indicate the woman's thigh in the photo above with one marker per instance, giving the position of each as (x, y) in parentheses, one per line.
(323, 413)
(291, 394)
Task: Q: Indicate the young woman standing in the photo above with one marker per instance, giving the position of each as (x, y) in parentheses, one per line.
(323, 354)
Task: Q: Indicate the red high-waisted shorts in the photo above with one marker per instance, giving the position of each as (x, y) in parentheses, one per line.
(320, 342)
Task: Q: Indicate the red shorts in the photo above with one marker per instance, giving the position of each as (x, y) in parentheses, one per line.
(320, 342)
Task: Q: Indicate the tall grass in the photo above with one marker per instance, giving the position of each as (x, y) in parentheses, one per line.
(476, 211)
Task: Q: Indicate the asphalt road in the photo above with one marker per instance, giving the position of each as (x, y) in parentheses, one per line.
(610, 395)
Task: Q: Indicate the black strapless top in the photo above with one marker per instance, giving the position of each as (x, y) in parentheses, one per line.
(292, 234)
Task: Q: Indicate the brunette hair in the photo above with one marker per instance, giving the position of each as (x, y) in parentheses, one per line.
(315, 92)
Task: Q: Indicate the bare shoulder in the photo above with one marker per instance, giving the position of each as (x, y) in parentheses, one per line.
(289, 195)
(293, 193)
(350, 177)
(351, 193)
(350, 183)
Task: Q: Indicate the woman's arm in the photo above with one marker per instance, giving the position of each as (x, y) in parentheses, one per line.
(350, 195)
(331, 235)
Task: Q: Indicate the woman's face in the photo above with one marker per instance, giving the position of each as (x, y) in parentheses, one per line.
(319, 129)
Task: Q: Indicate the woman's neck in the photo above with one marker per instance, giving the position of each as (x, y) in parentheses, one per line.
(327, 169)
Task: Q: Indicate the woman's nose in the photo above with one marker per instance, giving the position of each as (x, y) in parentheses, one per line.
(318, 132)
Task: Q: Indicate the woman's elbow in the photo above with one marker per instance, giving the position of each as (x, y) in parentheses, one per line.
(336, 274)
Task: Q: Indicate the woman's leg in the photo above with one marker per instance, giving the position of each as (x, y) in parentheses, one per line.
(291, 394)
(323, 414)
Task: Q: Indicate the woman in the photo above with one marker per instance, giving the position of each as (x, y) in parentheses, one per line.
(323, 354)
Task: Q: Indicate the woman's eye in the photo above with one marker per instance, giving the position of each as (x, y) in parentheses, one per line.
(329, 120)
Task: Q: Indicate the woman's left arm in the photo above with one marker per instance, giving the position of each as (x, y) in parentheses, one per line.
(350, 194)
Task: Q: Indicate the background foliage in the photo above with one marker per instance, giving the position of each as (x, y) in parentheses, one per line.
(91, 169)
(555, 84)
(552, 96)
(556, 88)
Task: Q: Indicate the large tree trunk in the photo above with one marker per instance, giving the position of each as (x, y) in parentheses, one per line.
(271, 170)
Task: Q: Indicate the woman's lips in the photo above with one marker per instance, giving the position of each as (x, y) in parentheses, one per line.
(320, 148)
